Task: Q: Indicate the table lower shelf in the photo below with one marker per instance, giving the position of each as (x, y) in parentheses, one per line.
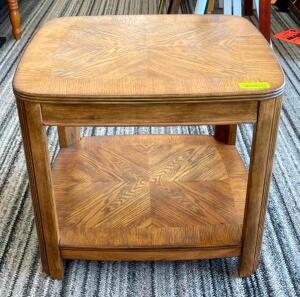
(149, 197)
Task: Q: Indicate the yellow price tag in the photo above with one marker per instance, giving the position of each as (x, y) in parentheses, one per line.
(254, 85)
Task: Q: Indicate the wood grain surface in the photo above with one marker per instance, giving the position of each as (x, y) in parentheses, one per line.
(148, 197)
(149, 114)
(146, 57)
(143, 254)
(149, 192)
(260, 171)
(38, 166)
(68, 135)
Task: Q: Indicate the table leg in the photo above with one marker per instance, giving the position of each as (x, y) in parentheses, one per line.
(226, 133)
(14, 16)
(260, 171)
(68, 136)
(265, 18)
(174, 6)
(38, 164)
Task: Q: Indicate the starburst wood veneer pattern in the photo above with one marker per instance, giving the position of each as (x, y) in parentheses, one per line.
(146, 191)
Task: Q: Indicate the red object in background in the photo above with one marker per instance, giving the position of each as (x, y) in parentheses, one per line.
(291, 35)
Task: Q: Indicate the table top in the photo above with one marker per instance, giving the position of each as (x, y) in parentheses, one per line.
(148, 58)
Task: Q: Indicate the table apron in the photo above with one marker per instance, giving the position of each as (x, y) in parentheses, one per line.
(217, 113)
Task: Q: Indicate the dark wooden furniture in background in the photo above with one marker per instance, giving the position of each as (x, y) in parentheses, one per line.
(294, 8)
(264, 12)
(14, 16)
(151, 197)
(264, 16)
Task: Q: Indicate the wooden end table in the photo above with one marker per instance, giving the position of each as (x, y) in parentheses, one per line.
(151, 197)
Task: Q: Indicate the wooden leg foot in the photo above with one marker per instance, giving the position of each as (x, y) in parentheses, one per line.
(245, 271)
(56, 271)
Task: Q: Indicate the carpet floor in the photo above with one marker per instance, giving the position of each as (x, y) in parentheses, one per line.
(20, 267)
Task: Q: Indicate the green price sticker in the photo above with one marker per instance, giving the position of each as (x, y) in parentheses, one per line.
(254, 85)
